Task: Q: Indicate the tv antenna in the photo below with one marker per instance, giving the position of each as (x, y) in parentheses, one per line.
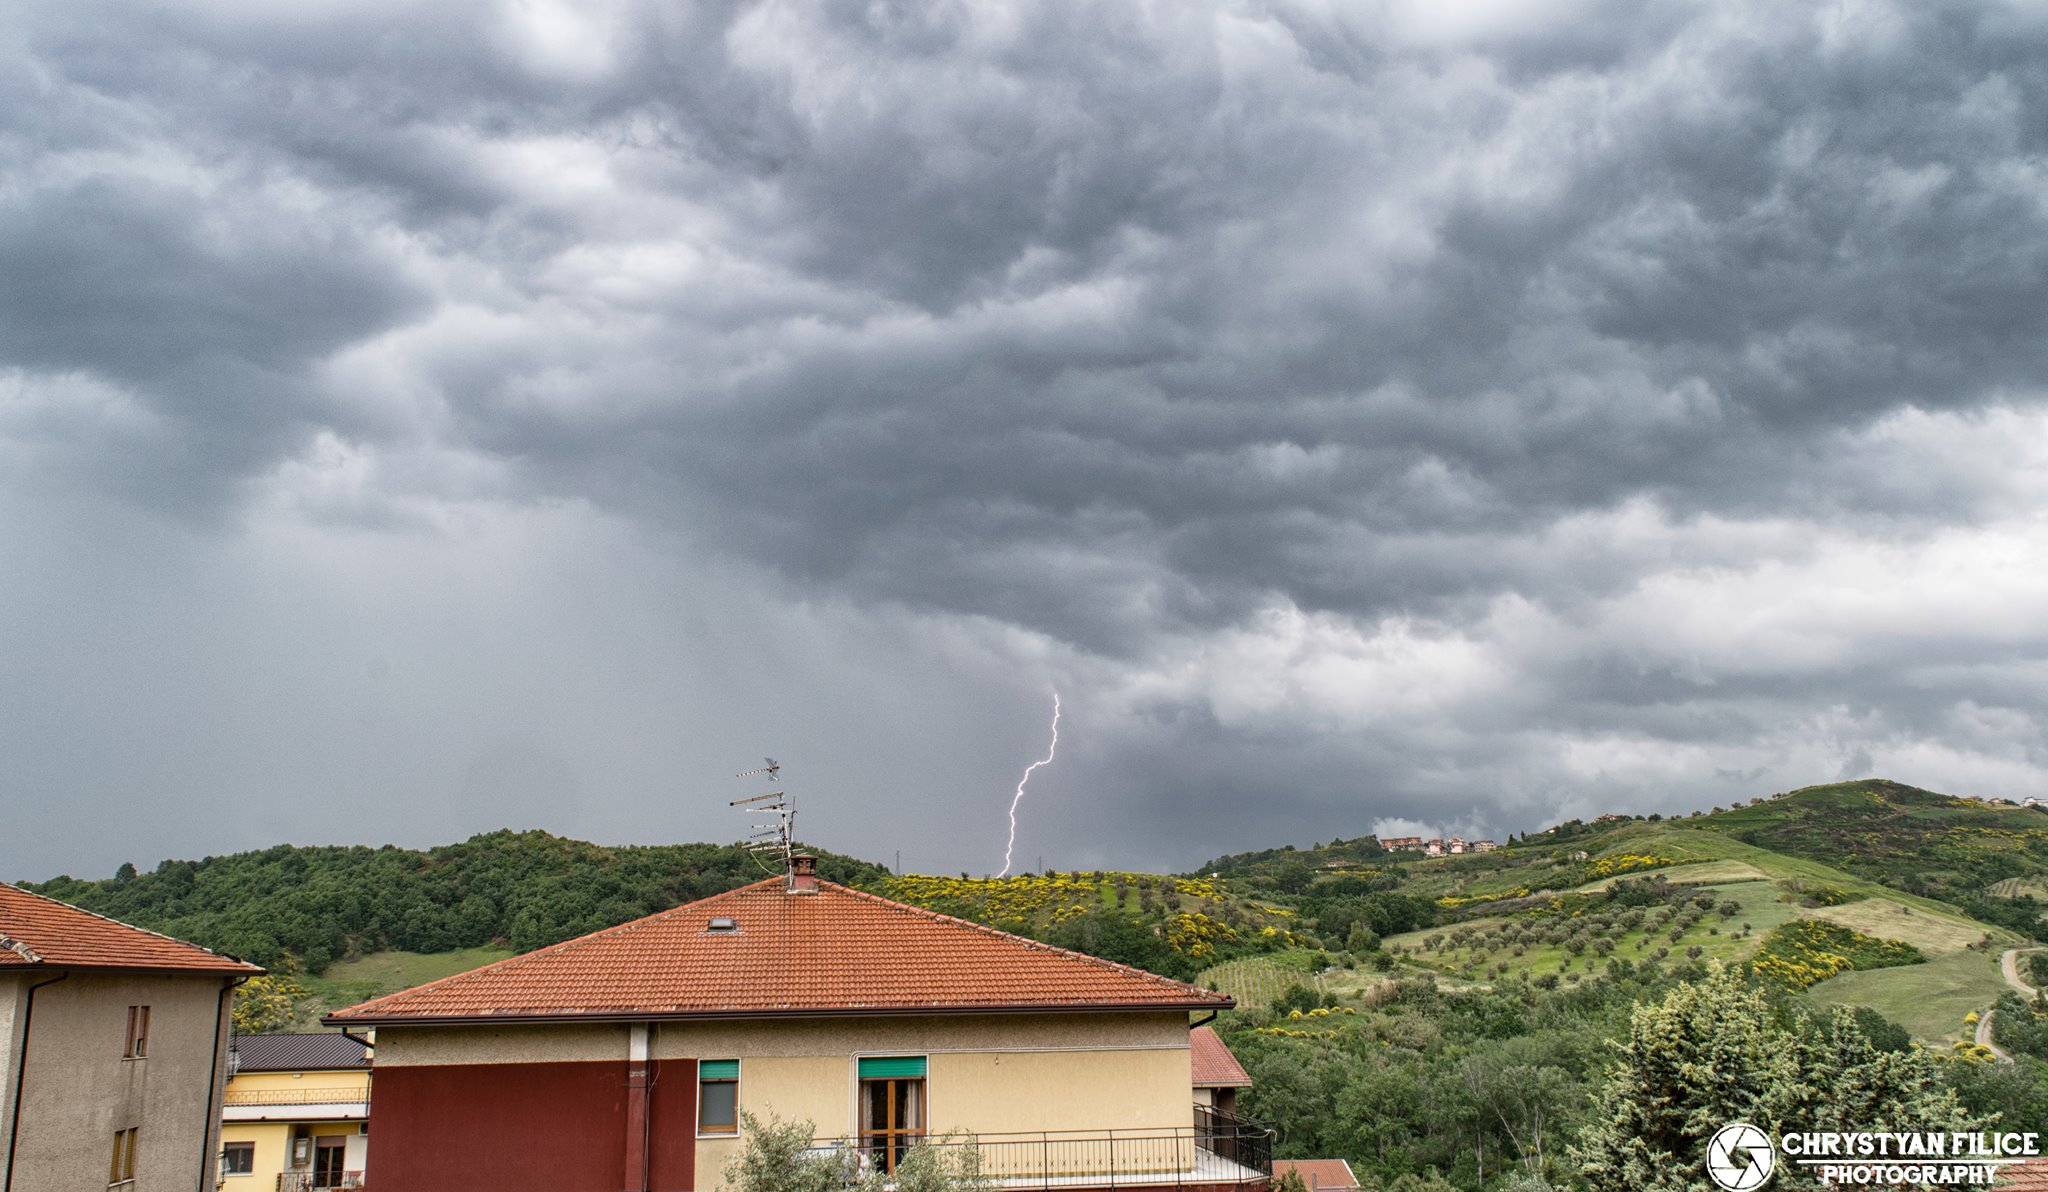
(775, 829)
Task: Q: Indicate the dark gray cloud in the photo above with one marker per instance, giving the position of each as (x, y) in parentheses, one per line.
(1434, 413)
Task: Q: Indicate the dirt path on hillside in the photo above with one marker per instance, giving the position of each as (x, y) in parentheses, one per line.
(1984, 1038)
(2010, 965)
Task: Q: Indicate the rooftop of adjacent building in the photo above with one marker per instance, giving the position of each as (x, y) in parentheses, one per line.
(1214, 1066)
(314, 1051)
(39, 932)
(1319, 1175)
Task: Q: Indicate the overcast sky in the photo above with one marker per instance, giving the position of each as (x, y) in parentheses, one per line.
(417, 419)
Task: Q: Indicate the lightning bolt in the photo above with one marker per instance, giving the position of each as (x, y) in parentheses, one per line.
(1019, 796)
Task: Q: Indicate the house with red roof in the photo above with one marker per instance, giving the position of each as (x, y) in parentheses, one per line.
(1318, 1175)
(1217, 1074)
(624, 1059)
(114, 1042)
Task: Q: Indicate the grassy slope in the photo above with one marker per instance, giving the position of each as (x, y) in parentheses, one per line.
(1930, 1000)
(347, 982)
(1761, 907)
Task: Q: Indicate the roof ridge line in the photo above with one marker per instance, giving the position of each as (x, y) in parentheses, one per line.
(1022, 939)
(550, 949)
(130, 926)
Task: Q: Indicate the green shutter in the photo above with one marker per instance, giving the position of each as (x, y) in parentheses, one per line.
(718, 1069)
(882, 1067)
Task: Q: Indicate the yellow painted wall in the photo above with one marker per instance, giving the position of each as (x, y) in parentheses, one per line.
(273, 1142)
(1014, 1092)
(273, 1139)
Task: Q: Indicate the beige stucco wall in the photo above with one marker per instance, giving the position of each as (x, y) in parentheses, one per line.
(993, 1074)
(11, 986)
(80, 1090)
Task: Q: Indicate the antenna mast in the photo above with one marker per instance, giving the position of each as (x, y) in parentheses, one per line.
(774, 835)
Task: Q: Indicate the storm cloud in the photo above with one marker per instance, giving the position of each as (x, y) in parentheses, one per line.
(415, 421)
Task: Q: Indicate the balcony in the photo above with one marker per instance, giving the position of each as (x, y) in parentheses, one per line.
(296, 1105)
(1220, 1150)
(319, 1181)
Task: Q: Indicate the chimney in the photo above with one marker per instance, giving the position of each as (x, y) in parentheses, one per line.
(803, 874)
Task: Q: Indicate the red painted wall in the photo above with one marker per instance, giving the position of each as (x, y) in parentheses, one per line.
(672, 1127)
(513, 1127)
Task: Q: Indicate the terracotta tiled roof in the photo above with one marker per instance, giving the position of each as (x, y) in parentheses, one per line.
(835, 952)
(309, 1052)
(2029, 1176)
(1215, 1067)
(1324, 1174)
(38, 931)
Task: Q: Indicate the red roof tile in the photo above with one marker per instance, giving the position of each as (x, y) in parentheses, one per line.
(835, 952)
(38, 931)
(1215, 1067)
(2028, 1176)
(1323, 1174)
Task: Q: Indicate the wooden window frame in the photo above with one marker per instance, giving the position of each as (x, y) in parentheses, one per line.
(137, 1045)
(712, 1131)
(122, 1169)
(889, 1138)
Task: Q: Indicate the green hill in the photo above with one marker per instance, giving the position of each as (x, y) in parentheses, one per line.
(1865, 893)
(309, 907)
(1911, 839)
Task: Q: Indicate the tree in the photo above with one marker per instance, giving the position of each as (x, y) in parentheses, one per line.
(1713, 1052)
(777, 1157)
(268, 1003)
(950, 1166)
(780, 1156)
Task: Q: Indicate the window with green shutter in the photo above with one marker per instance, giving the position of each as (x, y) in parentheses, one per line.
(891, 1107)
(718, 1096)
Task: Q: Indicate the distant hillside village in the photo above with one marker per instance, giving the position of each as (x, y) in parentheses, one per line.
(1438, 847)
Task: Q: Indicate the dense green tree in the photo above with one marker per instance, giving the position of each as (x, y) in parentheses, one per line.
(1112, 936)
(1715, 1051)
(320, 904)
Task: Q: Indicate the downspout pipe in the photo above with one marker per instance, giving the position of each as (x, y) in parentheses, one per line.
(28, 1018)
(209, 1159)
(1205, 1020)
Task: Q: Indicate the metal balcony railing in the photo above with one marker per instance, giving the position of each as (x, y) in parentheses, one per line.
(317, 1181)
(1220, 1148)
(324, 1096)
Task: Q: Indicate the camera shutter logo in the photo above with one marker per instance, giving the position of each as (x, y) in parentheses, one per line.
(1739, 1157)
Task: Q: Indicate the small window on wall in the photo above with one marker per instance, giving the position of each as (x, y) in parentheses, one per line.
(138, 1033)
(238, 1158)
(123, 1169)
(718, 1096)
